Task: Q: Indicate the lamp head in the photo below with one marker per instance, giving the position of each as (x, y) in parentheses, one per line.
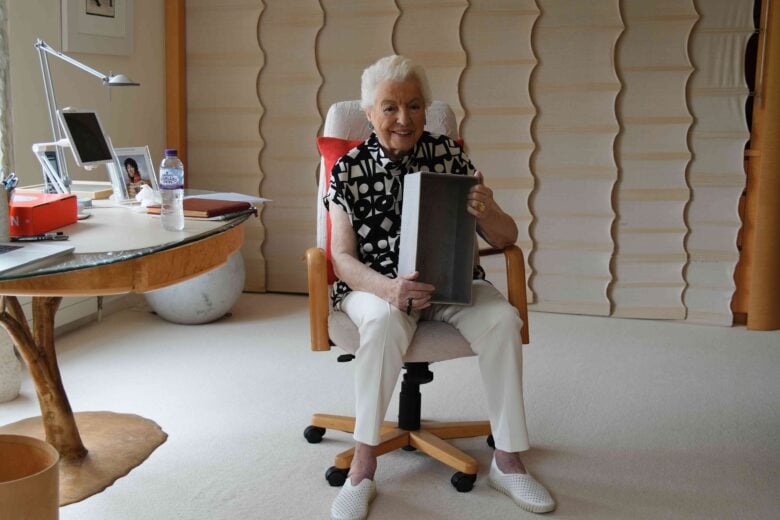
(120, 80)
(112, 80)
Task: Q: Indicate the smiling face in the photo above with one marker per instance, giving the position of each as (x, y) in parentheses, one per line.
(133, 175)
(398, 116)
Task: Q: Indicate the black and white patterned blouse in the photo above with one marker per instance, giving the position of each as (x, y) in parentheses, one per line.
(368, 185)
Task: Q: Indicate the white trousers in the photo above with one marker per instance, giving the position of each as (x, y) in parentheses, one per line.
(490, 324)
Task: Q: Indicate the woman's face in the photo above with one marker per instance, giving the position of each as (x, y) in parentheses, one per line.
(398, 116)
(130, 170)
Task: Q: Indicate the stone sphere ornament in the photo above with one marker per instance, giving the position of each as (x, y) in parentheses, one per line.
(202, 299)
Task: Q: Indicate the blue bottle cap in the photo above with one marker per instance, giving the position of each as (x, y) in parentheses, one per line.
(170, 152)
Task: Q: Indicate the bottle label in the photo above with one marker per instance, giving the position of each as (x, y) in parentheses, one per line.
(171, 178)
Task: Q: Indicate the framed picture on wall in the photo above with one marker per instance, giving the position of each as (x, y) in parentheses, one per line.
(97, 26)
(101, 8)
(133, 168)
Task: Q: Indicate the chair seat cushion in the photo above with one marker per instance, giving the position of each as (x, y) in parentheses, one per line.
(434, 340)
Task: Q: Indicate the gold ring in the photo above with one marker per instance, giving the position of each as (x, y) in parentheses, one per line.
(481, 207)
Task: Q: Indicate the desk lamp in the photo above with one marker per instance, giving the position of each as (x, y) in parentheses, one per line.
(60, 179)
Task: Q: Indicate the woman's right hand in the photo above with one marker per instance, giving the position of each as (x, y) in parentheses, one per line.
(406, 288)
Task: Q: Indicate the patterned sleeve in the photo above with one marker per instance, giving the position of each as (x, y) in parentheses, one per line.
(467, 168)
(461, 164)
(336, 188)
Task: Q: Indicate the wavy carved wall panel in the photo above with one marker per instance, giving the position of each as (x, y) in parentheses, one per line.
(341, 59)
(223, 110)
(717, 96)
(288, 87)
(653, 155)
(428, 31)
(496, 36)
(574, 88)
(584, 117)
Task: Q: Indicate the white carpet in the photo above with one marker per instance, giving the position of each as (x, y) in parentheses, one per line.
(628, 419)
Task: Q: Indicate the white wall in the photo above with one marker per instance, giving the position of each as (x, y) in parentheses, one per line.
(133, 116)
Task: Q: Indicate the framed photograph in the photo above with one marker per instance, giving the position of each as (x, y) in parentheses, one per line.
(132, 169)
(101, 8)
(98, 26)
(118, 183)
(52, 183)
(53, 165)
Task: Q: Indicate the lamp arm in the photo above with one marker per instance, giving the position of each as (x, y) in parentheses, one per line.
(45, 47)
(51, 105)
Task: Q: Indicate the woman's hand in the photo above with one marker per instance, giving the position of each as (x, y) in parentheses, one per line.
(480, 199)
(496, 227)
(408, 294)
(397, 291)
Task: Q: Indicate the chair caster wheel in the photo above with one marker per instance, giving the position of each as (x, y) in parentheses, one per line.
(313, 434)
(491, 442)
(409, 447)
(463, 482)
(336, 476)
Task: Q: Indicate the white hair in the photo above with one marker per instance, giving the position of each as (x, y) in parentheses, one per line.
(393, 68)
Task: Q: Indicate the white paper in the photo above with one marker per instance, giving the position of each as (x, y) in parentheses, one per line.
(147, 196)
(238, 197)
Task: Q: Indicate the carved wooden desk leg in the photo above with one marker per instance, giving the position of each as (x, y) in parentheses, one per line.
(38, 352)
(117, 442)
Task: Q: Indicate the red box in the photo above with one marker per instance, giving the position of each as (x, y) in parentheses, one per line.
(35, 213)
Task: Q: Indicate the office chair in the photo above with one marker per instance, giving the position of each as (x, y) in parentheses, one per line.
(345, 127)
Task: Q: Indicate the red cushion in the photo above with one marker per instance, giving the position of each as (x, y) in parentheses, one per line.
(332, 149)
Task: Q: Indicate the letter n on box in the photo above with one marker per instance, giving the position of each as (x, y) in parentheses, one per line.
(35, 213)
(438, 235)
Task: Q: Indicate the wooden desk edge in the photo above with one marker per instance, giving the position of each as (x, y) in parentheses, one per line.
(139, 275)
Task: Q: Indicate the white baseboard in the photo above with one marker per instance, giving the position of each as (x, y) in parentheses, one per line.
(75, 312)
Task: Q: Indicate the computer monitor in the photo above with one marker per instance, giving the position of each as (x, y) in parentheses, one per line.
(85, 134)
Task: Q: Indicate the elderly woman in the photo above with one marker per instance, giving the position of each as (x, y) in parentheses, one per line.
(364, 201)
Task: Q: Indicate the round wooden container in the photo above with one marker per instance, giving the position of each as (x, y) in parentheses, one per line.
(29, 479)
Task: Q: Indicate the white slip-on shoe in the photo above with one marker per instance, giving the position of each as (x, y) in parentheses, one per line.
(352, 501)
(525, 490)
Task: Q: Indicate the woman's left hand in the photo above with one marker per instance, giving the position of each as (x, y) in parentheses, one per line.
(496, 227)
(480, 199)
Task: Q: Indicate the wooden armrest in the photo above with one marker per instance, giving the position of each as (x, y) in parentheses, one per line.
(318, 291)
(488, 251)
(318, 298)
(515, 273)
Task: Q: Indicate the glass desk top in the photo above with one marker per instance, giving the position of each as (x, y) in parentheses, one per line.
(115, 233)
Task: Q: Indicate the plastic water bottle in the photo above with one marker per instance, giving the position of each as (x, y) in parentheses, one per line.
(172, 191)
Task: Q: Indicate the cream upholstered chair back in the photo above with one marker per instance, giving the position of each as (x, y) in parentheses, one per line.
(346, 120)
(433, 341)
